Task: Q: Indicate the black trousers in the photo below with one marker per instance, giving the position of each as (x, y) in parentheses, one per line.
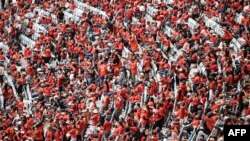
(3, 3)
(1, 79)
(20, 89)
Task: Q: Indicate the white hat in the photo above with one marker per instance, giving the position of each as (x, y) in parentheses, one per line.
(39, 69)
(67, 5)
(95, 111)
(36, 49)
(84, 111)
(226, 117)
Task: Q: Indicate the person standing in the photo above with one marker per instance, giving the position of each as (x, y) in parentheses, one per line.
(107, 128)
(1, 74)
(1, 99)
(2, 2)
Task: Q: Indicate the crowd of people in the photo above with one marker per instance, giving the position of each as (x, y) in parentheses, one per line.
(127, 70)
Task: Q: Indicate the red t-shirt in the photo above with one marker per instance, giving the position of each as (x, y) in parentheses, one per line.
(73, 133)
(107, 126)
(103, 70)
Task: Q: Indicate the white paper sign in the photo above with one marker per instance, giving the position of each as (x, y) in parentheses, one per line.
(210, 23)
(236, 43)
(84, 6)
(192, 23)
(168, 31)
(135, 20)
(151, 10)
(39, 28)
(68, 15)
(169, 1)
(125, 52)
(218, 30)
(238, 18)
(214, 26)
(4, 47)
(27, 41)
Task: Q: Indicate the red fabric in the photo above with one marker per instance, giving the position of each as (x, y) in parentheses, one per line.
(133, 44)
(107, 126)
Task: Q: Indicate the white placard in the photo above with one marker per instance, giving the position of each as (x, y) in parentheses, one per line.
(238, 18)
(27, 41)
(125, 52)
(84, 6)
(151, 10)
(236, 43)
(169, 1)
(210, 23)
(39, 28)
(219, 30)
(4, 47)
(214, 26)
(78, 12)
(68, 15)
(168, 31)
(135, 20)
(192, 23)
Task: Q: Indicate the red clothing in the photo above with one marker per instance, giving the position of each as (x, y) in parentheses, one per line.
(103, 69)
(118, 131)
(73, 133)
(95, 119)
(210, 122)
(133, 44)
(133, 67)
(182, 112)
(227, 35)
(118, 104)
(107, 126)
(49, 136)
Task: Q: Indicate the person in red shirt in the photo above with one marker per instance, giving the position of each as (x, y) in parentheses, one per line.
(210, 121)
(102, 70)
(95, 117)
(73, 134)
(47, 55)
(118, 107)
(38, 135)
(27, 53)
(49, 135)
(133, 43)
(119, 129)
(107, 128)
(133, 68)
